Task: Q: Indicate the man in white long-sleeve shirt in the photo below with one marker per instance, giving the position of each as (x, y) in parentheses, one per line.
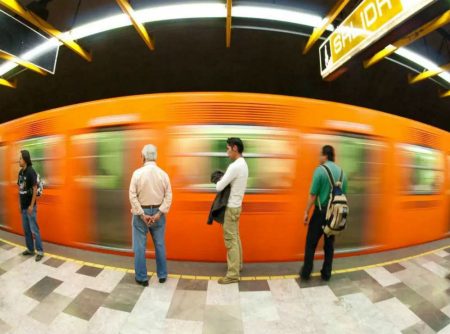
(236, 175)
(150, 198)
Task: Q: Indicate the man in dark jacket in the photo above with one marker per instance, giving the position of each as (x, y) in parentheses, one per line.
(219, 205)
(27, 182)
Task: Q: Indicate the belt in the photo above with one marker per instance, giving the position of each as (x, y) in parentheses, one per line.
(150, 206)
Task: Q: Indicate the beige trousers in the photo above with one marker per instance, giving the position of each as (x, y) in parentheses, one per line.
(233, 241)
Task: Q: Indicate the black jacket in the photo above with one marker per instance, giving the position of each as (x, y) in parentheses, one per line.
(219, 205)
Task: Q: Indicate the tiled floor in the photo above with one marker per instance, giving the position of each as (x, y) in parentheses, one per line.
(215, 269)
(56, 296)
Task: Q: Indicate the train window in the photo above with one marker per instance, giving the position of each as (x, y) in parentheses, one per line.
(104, 157)
(199, 150)
(47, 157)
(358, 156)
(109, 161)
(422, 169)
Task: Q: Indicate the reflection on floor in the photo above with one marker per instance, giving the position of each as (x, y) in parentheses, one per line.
(56, 296)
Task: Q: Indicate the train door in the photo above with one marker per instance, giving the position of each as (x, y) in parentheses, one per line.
(361, 160)
(421, 185)
(104, 163)
(3, 186)
(110, 189)
(48, 156)
(268, 208)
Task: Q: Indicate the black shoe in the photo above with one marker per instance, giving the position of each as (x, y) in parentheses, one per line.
(305, 278)
(143, 283)
(325, 278)
(27, 252)
(39, 257)
(162, 280)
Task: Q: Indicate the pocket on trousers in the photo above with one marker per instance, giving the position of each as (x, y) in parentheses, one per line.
(235, 214)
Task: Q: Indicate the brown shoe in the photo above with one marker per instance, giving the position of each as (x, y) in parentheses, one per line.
(228, 280)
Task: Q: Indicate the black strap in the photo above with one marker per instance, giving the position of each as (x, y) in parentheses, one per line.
(330, 176)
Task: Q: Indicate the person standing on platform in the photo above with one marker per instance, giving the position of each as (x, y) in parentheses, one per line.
(150, 198)
(28, 185)
(319, 195)
(236, 175)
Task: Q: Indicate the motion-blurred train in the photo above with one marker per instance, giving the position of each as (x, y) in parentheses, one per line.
(398, 172)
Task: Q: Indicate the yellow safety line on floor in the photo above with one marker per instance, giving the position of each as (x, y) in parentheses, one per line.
(243, 278)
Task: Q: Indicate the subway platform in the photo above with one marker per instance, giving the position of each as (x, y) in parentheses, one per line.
(75, 291)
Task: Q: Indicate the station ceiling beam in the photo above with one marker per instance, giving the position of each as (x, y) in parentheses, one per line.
(331, 16)
(408, 39)
(7, 83)
(428, 74)
(228, 23)
(446, 94)
(22, 63)
(128, 10)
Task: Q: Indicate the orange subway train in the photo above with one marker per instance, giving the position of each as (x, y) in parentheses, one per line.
(398, 172)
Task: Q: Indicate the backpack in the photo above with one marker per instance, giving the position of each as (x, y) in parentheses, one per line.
(337, 208)
(40, 185)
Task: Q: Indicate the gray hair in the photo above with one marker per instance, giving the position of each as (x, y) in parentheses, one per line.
(149, 152)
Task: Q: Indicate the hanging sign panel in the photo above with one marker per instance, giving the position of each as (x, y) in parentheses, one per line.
(19, 40)
(370, 21)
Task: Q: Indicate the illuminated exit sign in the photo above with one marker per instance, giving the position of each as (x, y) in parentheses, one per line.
(370, 21)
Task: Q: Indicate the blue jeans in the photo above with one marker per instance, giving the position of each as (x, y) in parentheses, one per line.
(157, 232)
(31, 227)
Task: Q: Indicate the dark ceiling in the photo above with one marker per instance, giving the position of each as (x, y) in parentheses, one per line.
(191, 56)
(66, 14)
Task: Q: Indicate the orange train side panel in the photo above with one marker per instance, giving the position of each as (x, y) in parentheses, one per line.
(271, 225)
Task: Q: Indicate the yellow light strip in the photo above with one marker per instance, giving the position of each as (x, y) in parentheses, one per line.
(408, 39)
(17, 9)
(228, 23)
(428, 74)
(7, 83)
(128, 10)
(23, 63)
(318, 31)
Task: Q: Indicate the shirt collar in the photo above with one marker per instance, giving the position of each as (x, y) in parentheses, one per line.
(150, 163)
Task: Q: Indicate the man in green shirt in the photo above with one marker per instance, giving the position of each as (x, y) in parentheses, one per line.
(319, 196)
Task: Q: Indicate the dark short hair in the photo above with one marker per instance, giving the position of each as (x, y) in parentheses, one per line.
(26, 157)
(329, 152)
(233, 141)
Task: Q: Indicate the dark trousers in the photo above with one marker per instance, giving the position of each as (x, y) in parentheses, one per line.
(315, 232)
